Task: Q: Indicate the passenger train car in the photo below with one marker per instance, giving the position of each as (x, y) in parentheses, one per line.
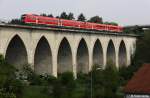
(43, 20)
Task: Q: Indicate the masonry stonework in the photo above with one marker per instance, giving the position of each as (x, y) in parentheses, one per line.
(55, 52)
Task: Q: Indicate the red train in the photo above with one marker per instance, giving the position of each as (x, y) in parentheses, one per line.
(42, 20)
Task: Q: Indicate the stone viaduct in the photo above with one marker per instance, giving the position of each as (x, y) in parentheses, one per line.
(53, 51)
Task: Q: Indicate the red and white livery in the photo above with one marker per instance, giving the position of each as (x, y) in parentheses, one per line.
(43, 20)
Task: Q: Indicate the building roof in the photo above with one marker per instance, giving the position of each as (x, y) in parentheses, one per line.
(140, 82)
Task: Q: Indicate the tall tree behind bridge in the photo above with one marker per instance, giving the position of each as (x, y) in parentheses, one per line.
(46, 15)
(111, 23)
(63, 15)
(135, 30)
(96, 19)
(16, 21)
(141, 56)
(81, 17)
(43, 14)
(50, 15)
(71, 16)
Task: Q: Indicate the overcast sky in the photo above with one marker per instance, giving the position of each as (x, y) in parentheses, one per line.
(124, 12)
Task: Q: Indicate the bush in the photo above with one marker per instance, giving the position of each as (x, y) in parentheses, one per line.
(7, 95)
(9, 85)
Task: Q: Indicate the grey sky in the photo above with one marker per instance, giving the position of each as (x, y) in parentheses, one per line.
(124, 12)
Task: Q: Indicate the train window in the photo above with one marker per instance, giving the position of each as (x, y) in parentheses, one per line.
(23, 17)
(32, 17)
(34, 14)
(47, 20)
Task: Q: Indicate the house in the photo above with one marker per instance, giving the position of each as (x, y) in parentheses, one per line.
(139, 85)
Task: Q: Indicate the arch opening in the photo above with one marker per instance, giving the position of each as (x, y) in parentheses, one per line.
(122, 55)
(111, 55)
(97, 53)
(64, 58)
(82, 57)
(43, 57)
(16, 53)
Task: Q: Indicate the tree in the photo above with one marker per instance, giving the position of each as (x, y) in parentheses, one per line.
(10, 87)
(142, 52)
(64, 15)
(57, 17)
(96, 19)
(71, 16)
(111, 23)
(97, 79)
(138, 30)
(134, 30)
(111, 81)
(105, 82)
(64, 86)
(16, 21)
(81, 17)
(43, 14)
(141, 56)
(50, 15)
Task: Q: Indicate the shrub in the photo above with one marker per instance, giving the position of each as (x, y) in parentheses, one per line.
(7, 95)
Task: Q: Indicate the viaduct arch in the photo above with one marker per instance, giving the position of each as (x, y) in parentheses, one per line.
(98, 53)
(122, 54)
(57, 51)
(16, 53)
(64, 57)
(111, 53)
(43, 57)
(82, 57)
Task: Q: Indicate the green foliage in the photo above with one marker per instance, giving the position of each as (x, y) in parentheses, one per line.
(10, 87)
(71, 16)
(102, 83)
(64, 86)
(79, 92)
(57, 17)
(141, 56)
(143, 45)
(111, 64)
(34, 92)
(111, 23)
(63, 15)
(96, 19)
(105, 82)
(50, 15)
(111, 76)
(27, 74)
(81, 17)
(43, 80)
(66, 78)
(47, 15)
(16, 21)
(134, 30)
(43, 14)
(7, 95)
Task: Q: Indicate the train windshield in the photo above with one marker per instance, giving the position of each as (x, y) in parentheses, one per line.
(23, 17)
